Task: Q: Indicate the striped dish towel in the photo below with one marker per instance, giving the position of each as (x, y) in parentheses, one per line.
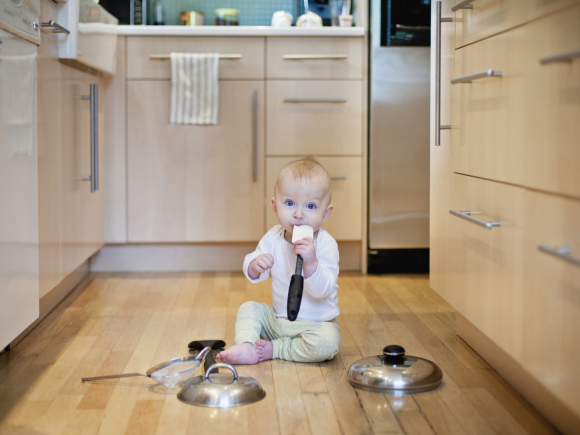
(194, 88)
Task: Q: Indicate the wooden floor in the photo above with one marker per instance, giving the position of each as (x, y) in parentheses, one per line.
(130, 322)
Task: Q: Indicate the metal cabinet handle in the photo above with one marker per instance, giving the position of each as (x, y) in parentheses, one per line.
(562, 57)
(255, 132)
(94, 100)
(338, 177)
(563, 252)
(481, 75)
(314, 56)
(167, 56)
(311, 100)
(438, 126)
(467, 216)
(465, 4)
(56, 28)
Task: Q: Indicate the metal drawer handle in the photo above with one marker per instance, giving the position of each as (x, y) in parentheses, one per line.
(465, 4)
(167, 56)
(56, 28)
(562, 57)
(311, 100)
(314, 56)
(563, 252)
(467, 216)
(438, 126)
(338, 177)
(481, 75)
(94, 100)
(255, 133)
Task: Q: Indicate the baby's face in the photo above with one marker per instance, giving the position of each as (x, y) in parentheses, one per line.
(301, 204)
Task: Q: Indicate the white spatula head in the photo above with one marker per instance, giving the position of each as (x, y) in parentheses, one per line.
(301, 231)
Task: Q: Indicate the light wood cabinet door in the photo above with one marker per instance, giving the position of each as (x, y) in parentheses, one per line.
(314, 117)
(189, 183)
(82, 213)
(345, 222)
(315, 58)
(489, 141)
(48, 73)
(551, 299)
(491, 293)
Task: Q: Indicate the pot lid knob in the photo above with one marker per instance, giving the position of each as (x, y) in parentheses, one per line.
(394, 351)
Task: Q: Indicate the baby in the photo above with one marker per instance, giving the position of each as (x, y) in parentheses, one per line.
(302, 196)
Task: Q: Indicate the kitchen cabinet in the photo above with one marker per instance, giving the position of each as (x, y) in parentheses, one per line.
(191, 183)
(82, 211)
(509, 159)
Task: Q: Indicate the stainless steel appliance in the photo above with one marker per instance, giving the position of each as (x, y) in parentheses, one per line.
(399, 136)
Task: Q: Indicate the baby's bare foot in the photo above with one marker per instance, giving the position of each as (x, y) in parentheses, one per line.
(265, 349)
(239, 354)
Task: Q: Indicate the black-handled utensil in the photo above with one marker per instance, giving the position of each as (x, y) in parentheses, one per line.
(212, 344)
(295, 291)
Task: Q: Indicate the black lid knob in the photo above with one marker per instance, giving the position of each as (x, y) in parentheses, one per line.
(394, 351)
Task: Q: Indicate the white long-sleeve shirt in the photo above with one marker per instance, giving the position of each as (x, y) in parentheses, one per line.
(319, 299)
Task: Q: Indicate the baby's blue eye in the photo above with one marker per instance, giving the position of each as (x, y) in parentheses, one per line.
(311, 206)
(289, 203)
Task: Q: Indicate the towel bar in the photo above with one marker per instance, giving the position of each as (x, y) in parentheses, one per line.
(167, 56)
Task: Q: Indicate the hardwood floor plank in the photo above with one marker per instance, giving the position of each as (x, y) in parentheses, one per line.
(493, 412)
(413, 422)
(311, 379)
(144, 418)
(347, 408)
(99, 392)
(442, 421)
(292, 417)
(321, 416)
(263, 415)
(57, 376)
(522, 410)
(84, 422)
(56, 417)
(379, 413)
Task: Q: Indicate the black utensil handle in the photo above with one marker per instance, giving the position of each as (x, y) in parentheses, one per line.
(294, 296)
(213, 344)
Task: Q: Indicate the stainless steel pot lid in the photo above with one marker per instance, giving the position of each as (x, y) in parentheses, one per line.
(393, 371)
(221, 390)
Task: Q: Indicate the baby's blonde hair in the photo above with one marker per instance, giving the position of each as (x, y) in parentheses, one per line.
(305, 170)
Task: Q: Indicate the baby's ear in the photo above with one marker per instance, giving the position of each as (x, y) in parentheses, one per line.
(327, 212)
(273, 204)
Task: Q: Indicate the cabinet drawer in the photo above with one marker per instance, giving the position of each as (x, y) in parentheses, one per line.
(551, 107)
(488, 17)
(314, 117)
(489, 261)
(487, 140)
(345, 222)
(521, 127)
(315, 58)
(141, 66)
(552, 295)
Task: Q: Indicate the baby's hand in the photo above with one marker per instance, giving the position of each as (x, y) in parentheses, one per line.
(259, 265)
(305, 248)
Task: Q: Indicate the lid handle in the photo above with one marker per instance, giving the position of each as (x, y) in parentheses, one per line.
(394, 352)
(221, 366)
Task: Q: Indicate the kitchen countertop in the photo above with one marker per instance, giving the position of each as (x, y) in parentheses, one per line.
(238, 31)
